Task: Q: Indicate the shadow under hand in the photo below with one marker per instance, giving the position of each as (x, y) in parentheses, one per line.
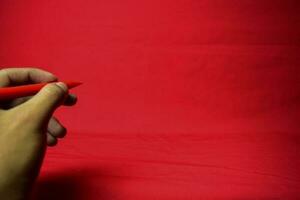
(63, 185)
(71, 185)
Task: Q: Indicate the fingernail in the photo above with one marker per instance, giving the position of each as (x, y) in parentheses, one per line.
(62, 86)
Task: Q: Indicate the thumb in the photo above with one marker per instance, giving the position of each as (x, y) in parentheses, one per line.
(46, 101)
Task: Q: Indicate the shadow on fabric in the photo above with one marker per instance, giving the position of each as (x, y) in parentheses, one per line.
(69, 185)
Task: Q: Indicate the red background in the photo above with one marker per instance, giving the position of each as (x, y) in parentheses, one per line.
(185, 99)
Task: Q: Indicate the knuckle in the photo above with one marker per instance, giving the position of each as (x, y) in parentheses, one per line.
(4, 71)
(35, 70)
(31, 69)
(53, 90)
(38, 70)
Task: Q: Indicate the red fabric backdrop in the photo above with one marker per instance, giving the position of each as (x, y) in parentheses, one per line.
(185, 99)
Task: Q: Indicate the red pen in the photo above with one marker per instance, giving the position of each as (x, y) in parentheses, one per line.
(9, 93)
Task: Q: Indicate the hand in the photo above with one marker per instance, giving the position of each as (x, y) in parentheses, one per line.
(26, 128)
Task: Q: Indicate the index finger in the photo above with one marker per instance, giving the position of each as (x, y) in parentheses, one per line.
(19, 76)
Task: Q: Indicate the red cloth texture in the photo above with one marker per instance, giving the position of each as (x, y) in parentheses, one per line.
(182, 99)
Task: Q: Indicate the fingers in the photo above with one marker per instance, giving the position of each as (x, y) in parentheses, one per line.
(56, 129)
(44, 103)
(71, 100)
(51, 140)
(19, 76)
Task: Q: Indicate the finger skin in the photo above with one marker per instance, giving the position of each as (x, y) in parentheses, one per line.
(24, 132)
(56, 129)
(44, 103)
(21, 76)
(51, 140)
(71, 100)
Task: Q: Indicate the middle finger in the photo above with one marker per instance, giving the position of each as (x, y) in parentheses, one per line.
(56, 129)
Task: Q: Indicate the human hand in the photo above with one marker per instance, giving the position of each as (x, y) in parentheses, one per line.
(26, 128)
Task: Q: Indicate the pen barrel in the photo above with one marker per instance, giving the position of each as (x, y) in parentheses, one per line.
(9, 93)
(20, 91)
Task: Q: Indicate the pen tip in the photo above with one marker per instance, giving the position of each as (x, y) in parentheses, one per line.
(77, 83)
(72, 84)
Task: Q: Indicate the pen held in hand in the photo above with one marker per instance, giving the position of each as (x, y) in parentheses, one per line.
(9, 93)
